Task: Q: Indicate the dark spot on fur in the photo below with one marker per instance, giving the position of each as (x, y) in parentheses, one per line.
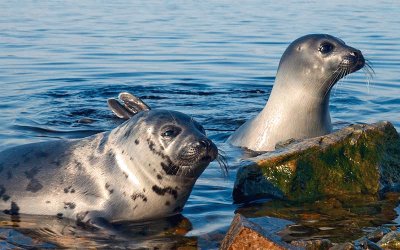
(3, 194)
(5, 197)
(14, 210)
(108, 188)
(134, 196)
(102, 144)
(123, 151)
(126, 175)
(169, 168)
(137, 141)
(151, 145)
(2, 190)
(162, 191)
(9, 175)
(48, 202)
(59, 215)
(161, 147)
(57, 163)
(31, 173)
(111, 154)
(78, 165)
(41, 154)
(34, 186)
(69, 205)
(177, 209)
(167, 203)
(69, 190)
(159, 177)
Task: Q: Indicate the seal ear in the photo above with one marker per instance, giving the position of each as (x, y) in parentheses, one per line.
(132, 105)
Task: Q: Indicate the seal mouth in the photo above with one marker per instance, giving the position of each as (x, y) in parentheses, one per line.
(195, 158)
(352, 62)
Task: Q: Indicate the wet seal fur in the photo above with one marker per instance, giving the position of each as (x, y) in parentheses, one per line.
(143, 169)
(298, 106)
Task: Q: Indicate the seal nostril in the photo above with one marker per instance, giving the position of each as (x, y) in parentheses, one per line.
(356, 54)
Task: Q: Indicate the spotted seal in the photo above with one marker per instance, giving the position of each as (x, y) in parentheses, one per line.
(298, 106)
(143, 169)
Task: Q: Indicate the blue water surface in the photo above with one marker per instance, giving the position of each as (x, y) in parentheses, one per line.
(214, 60)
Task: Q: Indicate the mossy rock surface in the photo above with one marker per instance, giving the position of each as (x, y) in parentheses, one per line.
(362, 159)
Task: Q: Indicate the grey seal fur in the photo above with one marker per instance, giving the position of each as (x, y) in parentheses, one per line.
(298, 106)
(141, 170)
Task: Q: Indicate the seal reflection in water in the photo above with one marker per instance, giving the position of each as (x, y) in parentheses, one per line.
(143, 169)
(298, 106)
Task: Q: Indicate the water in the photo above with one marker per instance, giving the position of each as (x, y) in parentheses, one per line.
(214, 60)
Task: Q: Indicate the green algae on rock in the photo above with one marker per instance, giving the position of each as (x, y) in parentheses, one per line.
(362, 159)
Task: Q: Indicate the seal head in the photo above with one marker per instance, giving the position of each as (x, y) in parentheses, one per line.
(298, 106)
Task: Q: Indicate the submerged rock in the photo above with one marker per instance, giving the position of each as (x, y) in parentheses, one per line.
(322, 244)
(356, 160)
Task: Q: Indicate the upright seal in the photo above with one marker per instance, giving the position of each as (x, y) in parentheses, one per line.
(143, 169)
(298, 106)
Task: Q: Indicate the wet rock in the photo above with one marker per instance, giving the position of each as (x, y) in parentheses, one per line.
(323, 244)
(365, 243)
(356, 160)
(343, 246)
(378, 233)
(244, 234)
(390, 241)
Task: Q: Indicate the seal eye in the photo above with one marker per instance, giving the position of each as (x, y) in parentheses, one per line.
(325, 48)
(170, 132)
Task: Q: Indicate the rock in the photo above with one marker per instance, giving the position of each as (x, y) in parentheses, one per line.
(244, 234)
(378, 233)
(390, 241)
(356, 160)
(343, 246)
(323, 244)
(365, 243)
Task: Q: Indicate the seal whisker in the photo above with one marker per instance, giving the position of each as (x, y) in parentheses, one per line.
(328, 78)
(369, 73)
(337, 75)
(223, 163)
(369, 65)
(333, 78)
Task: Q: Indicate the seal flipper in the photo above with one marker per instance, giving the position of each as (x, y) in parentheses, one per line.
(119, 110)
(133, 103)
(93, 220)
